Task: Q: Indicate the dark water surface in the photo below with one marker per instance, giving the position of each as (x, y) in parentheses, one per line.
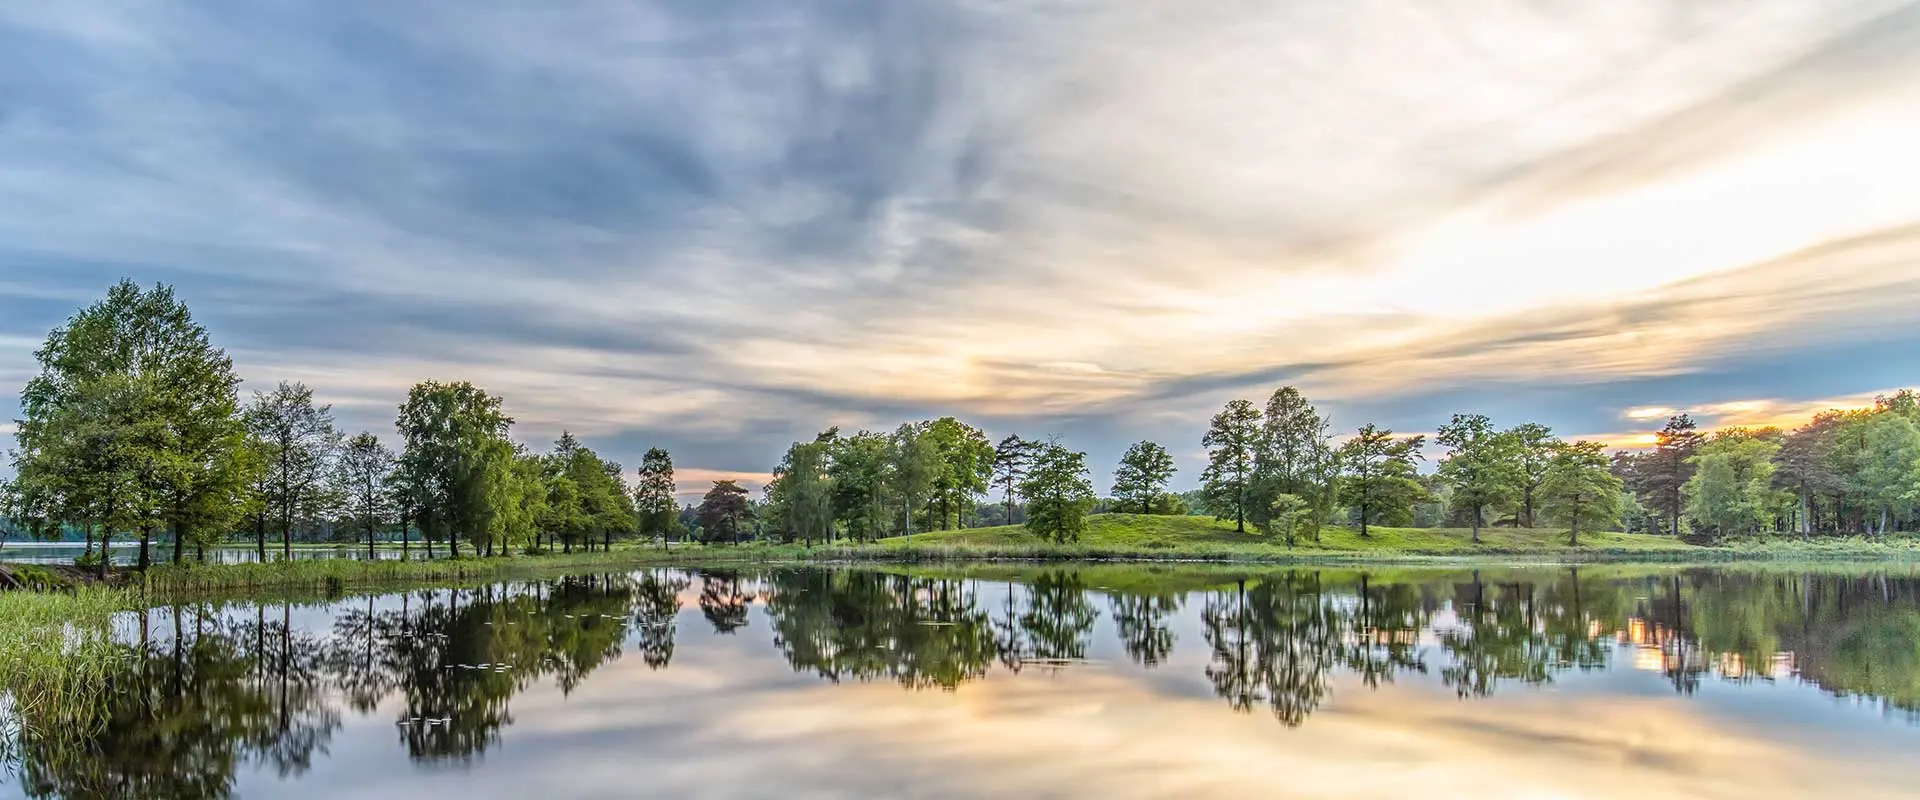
(1598, 681)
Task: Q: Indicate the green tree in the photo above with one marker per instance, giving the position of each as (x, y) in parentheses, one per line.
(1059, 493)
(1293, 450)
(858, 472)
(449, 430)
(1011, 457)
(361, 481)
(1805, 465)
(1480, 466)
(1283, 516)
(1143, 474)
(1580, 487)
(1731, 487)
(130, 423)
(1534, 448)
(1232, 441)
(805, 493)
(913, 464)
(1378, 475)
(1888, 471)
(301, 443)
(654, 495)
(1658, 476)
(723, 512)
(964, 466)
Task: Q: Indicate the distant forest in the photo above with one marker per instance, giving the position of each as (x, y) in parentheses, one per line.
(134, 430)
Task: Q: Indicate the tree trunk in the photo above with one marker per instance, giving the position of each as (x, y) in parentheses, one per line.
(453, 544)
(1476, 524)
(370, 555)
(106, 550)
(286, 533)
(179, 528)
(1529, 507)
(146, 534)
(260, 536)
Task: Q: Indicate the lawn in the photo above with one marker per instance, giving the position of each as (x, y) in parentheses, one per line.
(1174, 535)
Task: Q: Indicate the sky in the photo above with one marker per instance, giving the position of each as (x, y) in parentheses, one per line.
(721, 227)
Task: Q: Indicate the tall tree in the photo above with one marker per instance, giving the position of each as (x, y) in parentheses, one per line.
(1295, 447)
(964, 466)
(1059, 493)
(364, 469)
(1731, 486)
(1889, 467)
(133, 411)
(723, 512)
(1805, 465)
(1661, 474)
(913, 464)
(1143, 474)
(1378, 474)
(858, 473)
(449, 430)
(1011, 457)
(805, 499)
(654, 495)
(1580, 487)
(1533, 448)
(301, 443)
(1480, 465)
(1232, 442)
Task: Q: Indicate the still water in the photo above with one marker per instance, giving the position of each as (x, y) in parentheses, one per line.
(124, 554)
(1598, 681)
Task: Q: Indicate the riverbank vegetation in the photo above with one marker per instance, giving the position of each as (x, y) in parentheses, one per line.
(134, 430)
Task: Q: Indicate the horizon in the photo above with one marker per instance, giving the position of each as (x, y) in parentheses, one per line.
(722, 231)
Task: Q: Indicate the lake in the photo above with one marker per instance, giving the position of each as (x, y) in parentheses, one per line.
(125, 553)
(1005, 681)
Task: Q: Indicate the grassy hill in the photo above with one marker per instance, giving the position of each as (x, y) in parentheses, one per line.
(1172, 536)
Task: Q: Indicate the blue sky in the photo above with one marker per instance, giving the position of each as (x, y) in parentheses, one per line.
(720, 227)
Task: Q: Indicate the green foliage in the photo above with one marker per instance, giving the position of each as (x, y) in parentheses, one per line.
(653, 496)
(1378, 476)
(1886, 470)
(1533, 449)
(298, 443)
(1579, 487)
(858, 473)
(361, 479)
(1295, 456)
(913, 462)
(1232, 441)
(1482, 466)
(1731, 489)
(1285, 513)
(129, 426)
(800, 494)
(1059, 493)
(1143, 474)
(963, 466)
(450, 431)
(1011, 458)
(724, 513)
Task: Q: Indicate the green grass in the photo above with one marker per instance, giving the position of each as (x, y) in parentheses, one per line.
(55, 653)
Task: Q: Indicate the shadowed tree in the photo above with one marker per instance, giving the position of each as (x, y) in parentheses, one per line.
(1533, 448)
(653, 496)
(1232, 441)
(1379, 475)
(363, 471)
(1011, 458)
(1580, 488)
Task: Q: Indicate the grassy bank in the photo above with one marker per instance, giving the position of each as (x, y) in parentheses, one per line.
(56, 651)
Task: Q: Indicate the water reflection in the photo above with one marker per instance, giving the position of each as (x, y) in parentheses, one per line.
(212, 691)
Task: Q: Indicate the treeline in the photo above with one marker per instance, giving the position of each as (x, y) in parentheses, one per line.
(134, 428)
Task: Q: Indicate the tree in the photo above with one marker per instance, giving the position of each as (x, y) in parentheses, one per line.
(130, 423)
(654, 495)
(1011, 457)
(300, 445)
(913, 464)
(449, 430)
(1533, 448)
(964, 465)
(805, 501)
(1659, 475)
(858, 472)
(1579, 487)
(723, 512)
(1889, 466)
(1283, 516)
(1294, 451)
(1378, 473)
(1805, 465)
(1143, 474)
(1480, 465)
(364, 469)
(1059, 493)
(1232, 441)
(1731, 487)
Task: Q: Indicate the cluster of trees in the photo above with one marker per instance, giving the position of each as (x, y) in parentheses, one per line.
(134, 427)
(1845, 472)
(1280, 469)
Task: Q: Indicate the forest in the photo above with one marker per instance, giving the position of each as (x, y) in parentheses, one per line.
(135, 430)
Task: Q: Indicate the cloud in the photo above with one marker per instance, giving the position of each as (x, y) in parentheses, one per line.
(724, 228)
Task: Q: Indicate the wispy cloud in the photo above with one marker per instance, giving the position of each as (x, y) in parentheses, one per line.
(723, 227)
